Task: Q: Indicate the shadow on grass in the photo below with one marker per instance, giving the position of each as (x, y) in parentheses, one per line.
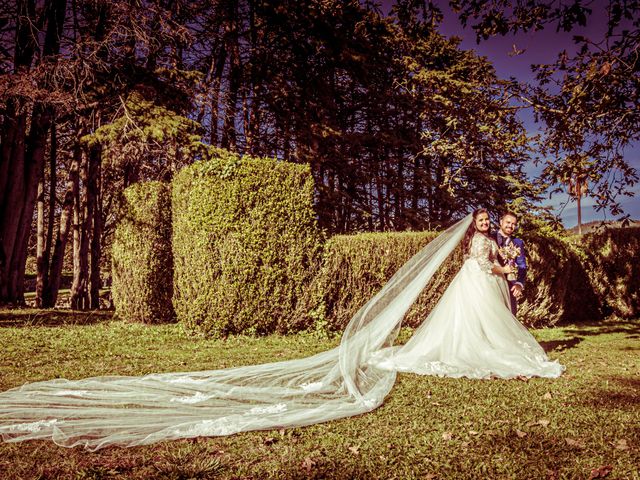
(590, 329)
(621, 393)
(631, 328)
(560, 345)
(30, 317)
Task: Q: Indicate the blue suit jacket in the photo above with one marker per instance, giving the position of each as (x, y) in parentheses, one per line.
(521, 260)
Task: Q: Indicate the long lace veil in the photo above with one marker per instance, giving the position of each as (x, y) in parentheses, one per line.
(126, 411)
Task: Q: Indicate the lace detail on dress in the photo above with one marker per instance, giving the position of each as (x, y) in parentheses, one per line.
(205, 428)
(277, 408)
(484, 251)
(29, 427)
(197, 398)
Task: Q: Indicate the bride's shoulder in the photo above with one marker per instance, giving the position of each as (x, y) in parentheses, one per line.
(482, 239)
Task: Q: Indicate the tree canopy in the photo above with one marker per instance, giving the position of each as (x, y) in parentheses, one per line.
(402, 129)
(588, 99)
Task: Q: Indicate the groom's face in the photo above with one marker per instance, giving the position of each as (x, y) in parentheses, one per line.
(508, 224)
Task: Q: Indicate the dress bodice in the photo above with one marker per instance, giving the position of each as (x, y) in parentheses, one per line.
(484, 251)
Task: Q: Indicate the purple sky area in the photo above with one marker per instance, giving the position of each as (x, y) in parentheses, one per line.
(539, 47)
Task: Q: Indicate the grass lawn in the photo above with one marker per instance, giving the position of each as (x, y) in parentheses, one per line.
(582, 425)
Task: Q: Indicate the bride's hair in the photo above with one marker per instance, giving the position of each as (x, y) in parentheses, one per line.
(466, 241)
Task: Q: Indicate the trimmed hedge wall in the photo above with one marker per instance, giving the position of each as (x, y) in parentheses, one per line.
(245, 244)
(249, 258)
(558, 288)
(356, 266)
(142, 263)
(612, 258)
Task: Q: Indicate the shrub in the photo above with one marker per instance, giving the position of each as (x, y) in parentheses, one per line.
(245, 243)
(355, 267)
(612, 260)
(558, 289)
(142, 263)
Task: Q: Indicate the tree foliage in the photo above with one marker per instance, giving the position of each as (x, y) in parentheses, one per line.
(142, 261)
(401, 129)
(588, 98)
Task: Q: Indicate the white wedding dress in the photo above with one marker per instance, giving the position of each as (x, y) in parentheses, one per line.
(470, 332)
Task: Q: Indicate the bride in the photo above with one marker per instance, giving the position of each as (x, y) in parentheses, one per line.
(471, 332)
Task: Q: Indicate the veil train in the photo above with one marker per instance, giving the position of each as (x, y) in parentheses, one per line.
(126, 411)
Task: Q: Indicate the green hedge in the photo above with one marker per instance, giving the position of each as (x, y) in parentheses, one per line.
(245, 243)
(612, 258)
(142, 263)
(355, 267)
(558, 289)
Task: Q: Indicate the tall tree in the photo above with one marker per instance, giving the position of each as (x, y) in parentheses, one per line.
(24, 140)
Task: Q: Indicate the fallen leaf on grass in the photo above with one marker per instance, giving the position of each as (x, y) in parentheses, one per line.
(447, 436)
(542, 422)
(622, 444)
(308, 464)
(574, 443)
(473, 432)
(498, 422)
(520, 433)
(547, 396)
(552, 475)
(601, 472)
(355, 450)
(430, 476)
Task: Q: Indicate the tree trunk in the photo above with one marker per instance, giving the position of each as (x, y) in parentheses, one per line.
(53, 186)
(79, 298)
(12, 203)
(40, 247)
(45, 237)
(215, 94)
(33, 169)
(50, 295)
(251, 106)
(93, 191)
(229, 137)
(399, 193)
(13, 128)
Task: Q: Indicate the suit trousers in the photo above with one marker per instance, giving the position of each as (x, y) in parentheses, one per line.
(514, 300)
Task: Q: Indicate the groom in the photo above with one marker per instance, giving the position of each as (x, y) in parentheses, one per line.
(508, 223)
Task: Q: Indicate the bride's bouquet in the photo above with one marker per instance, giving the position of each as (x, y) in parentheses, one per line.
(509, 253)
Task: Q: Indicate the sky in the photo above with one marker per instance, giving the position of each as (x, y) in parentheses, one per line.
(540, 47)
